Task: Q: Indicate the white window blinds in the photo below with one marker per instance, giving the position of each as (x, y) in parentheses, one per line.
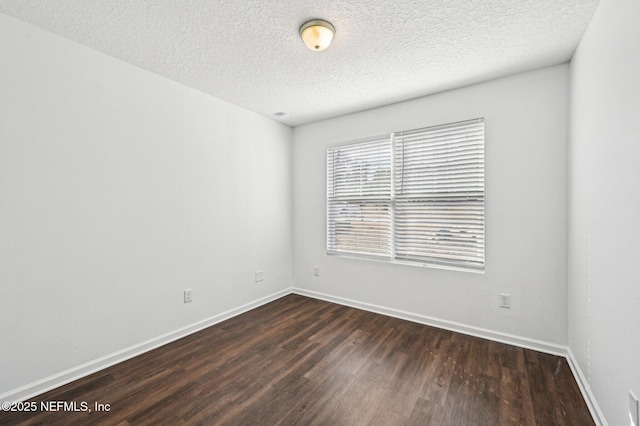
(359, 198)
(439, 197)
(414, 196)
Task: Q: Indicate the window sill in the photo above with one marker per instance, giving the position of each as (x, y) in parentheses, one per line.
(407, 263)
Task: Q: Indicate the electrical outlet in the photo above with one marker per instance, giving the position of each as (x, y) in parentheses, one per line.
(187, 295)
(505, 300)
(634, 410)
(316, 271)
(259, 276)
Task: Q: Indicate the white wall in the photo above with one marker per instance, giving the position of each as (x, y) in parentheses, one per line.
(119, 189)
(526, 196)
(604, 186)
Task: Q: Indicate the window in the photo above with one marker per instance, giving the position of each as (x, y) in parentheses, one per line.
(359, 198)
(413, 196)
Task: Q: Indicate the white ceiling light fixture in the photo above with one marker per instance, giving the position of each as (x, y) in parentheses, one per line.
(317, 34)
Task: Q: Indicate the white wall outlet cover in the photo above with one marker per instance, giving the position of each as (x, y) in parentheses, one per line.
(505, 300)
(259, 276)
(187, 295)
(634, 410)
(316, 271)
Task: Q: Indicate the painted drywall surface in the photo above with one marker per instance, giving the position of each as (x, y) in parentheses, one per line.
(207, 45)
(526, 140)
(118, 190)
(604, 183)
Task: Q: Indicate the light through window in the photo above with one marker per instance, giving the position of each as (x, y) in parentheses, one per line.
(412, 196)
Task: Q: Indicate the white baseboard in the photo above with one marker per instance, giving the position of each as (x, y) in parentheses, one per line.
(583, 384)
(510, 339)
(40, 386)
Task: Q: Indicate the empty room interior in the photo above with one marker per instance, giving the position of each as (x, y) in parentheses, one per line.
(335, 212)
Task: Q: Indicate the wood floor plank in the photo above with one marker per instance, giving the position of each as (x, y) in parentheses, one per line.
(301, 361)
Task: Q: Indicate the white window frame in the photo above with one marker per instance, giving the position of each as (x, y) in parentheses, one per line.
(372, 198)
(464, 247)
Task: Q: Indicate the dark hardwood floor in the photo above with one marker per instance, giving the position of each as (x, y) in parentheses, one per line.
(301, 361)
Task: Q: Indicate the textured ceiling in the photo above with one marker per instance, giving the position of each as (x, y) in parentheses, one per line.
(250, 54)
